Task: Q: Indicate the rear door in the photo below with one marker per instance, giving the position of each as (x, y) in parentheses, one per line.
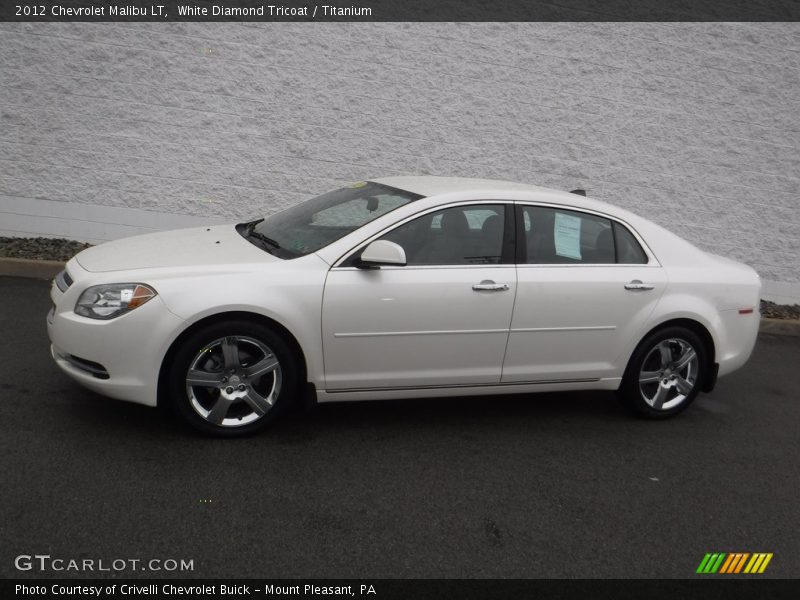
(585, 289)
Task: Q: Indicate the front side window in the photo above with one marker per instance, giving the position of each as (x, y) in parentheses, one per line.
(314, 224)
(560, 236)
(462, 235)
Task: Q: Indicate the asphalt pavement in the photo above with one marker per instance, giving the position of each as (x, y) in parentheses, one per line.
(554, 485)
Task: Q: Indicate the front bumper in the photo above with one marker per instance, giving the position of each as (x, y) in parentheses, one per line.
(120, 358)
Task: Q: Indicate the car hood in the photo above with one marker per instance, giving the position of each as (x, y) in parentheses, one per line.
(216, 245)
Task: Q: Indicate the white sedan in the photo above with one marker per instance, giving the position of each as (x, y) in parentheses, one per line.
(403, 287)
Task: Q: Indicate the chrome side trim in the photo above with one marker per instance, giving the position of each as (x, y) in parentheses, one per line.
(588, 328)
(650, 265)
(427, 267)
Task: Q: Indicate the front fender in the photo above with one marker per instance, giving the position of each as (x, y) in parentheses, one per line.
(289, 293)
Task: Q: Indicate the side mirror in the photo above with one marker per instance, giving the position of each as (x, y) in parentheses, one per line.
(382, 252)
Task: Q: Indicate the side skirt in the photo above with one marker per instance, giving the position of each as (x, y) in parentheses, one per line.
(611, 383)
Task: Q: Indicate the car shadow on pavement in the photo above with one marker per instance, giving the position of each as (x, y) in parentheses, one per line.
(466, 408)
(97, 412)
(94, 411)
(466, 412)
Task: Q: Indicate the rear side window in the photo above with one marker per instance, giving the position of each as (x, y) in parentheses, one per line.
(558, 236)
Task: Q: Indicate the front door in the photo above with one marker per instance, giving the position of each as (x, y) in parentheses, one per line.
(441, 320)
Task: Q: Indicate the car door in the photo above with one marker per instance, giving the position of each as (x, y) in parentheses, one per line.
(585, 289)
(440, 320)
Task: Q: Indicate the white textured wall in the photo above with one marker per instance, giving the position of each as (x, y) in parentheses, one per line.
(694, 125)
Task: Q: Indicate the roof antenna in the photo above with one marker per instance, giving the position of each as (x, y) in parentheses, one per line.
(579, 192)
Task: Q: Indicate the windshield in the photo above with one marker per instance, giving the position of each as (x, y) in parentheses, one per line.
(314, 224)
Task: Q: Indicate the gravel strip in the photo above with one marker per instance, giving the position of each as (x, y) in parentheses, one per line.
(40, 248)
(771, 310)
(61, 249)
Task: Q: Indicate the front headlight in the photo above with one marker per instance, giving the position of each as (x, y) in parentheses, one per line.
(109, 301)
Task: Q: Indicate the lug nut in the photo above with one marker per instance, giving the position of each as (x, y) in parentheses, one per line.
(224, 380)
(241, 387)
(229, 389)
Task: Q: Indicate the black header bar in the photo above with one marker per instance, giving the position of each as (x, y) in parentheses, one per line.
(399, 10)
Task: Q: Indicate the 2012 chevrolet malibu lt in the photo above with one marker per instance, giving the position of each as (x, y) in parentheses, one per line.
(403, 287)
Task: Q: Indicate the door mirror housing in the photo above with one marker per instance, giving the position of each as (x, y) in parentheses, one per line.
(382, 252)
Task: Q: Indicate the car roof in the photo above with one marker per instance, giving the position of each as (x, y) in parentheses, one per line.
(430, 185)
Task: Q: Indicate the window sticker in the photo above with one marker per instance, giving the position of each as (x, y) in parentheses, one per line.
(567, 233)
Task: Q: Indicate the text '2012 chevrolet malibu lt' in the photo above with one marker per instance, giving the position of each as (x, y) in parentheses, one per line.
(403, 287)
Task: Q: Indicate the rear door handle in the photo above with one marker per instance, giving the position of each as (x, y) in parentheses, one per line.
(487, 285)
(638, 285)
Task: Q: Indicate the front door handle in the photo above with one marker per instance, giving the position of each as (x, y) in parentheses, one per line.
(487, 285)
(638, 285)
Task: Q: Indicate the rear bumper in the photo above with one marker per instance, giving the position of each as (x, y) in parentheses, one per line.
(740, 332)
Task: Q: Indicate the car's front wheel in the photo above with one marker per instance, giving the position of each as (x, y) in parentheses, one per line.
(232, 378)
(665, 373)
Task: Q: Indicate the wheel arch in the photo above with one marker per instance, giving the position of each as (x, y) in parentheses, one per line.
(290, 339)
(709, 377)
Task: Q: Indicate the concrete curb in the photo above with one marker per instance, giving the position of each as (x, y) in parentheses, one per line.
(47, 269)
(780, 327)
(26, 267)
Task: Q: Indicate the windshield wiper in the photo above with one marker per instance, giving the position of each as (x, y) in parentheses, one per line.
(251, 233)
(262, 238)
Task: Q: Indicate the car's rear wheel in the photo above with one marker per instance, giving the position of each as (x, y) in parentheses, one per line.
(665, 373)
(232, 378)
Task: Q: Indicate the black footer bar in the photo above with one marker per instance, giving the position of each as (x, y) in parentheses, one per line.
(705, 587)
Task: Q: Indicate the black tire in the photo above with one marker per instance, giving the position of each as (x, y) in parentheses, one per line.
(667, 396)
(242, 400)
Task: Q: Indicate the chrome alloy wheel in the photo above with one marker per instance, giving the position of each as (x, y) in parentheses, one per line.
(233, 381)
(668, 374)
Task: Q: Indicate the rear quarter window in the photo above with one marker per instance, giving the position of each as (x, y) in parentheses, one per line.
(629, 251)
